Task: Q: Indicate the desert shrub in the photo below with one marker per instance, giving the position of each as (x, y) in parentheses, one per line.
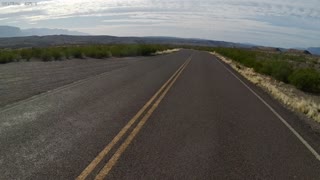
(297, 58)
(145, 50)
(89, 51)
(66, 52)
(306, 79)
(276, 67)
(245, 57)
(103, 54)
(56, 54)
(280, 70)
(26, 54)
(6, 57)
(123, 50)
(46, 56)
(116, 51)
(135, 50)
(94, 51)
(76, 52)
(36, 52)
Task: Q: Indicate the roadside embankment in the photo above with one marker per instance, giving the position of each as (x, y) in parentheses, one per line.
(296, 100)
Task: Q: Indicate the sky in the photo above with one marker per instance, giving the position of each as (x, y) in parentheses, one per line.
(278, 23)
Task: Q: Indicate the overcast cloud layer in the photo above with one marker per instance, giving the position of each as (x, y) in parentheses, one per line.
(285, 23)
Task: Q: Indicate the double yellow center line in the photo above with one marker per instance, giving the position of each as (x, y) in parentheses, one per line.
(153, 102)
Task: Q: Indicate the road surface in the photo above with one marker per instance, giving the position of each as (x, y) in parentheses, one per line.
(184, 115)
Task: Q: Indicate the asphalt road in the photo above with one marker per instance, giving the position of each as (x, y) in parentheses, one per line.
(19, 81)
(179, 116)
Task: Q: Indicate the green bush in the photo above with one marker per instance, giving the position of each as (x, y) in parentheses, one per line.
(94, 51)
(135, 50)
(245, 57)
(46, 56)
(103, 54)
(280, 70)
(306, 79)
(36, 52)
(279, 66)
(7, 56)
(56, 54)
(76, 53)
(26, 54)
(66, 52)
(297, 58)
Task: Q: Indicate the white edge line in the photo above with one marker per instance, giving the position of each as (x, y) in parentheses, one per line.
(304, 142)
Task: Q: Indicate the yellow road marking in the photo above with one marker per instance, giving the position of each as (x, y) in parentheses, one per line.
(114, 141)
(106, 169)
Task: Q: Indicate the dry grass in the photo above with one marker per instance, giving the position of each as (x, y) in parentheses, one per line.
(288, 95)
(168, 51)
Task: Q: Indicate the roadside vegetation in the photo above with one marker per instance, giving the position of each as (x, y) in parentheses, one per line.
(302, 71)
(79, 52)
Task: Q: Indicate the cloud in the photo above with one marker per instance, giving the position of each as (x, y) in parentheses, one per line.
(267, 22)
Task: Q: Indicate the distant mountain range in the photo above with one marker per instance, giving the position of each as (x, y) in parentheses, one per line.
(314, 50)
(14, 37)
(10, 31)
(59, 40)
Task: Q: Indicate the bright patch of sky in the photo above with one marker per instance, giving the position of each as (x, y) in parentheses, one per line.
(285, 23)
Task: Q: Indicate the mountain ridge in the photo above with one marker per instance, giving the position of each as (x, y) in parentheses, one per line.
(14, 37)
(314, 50)
(52, 40)
(11, 31)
